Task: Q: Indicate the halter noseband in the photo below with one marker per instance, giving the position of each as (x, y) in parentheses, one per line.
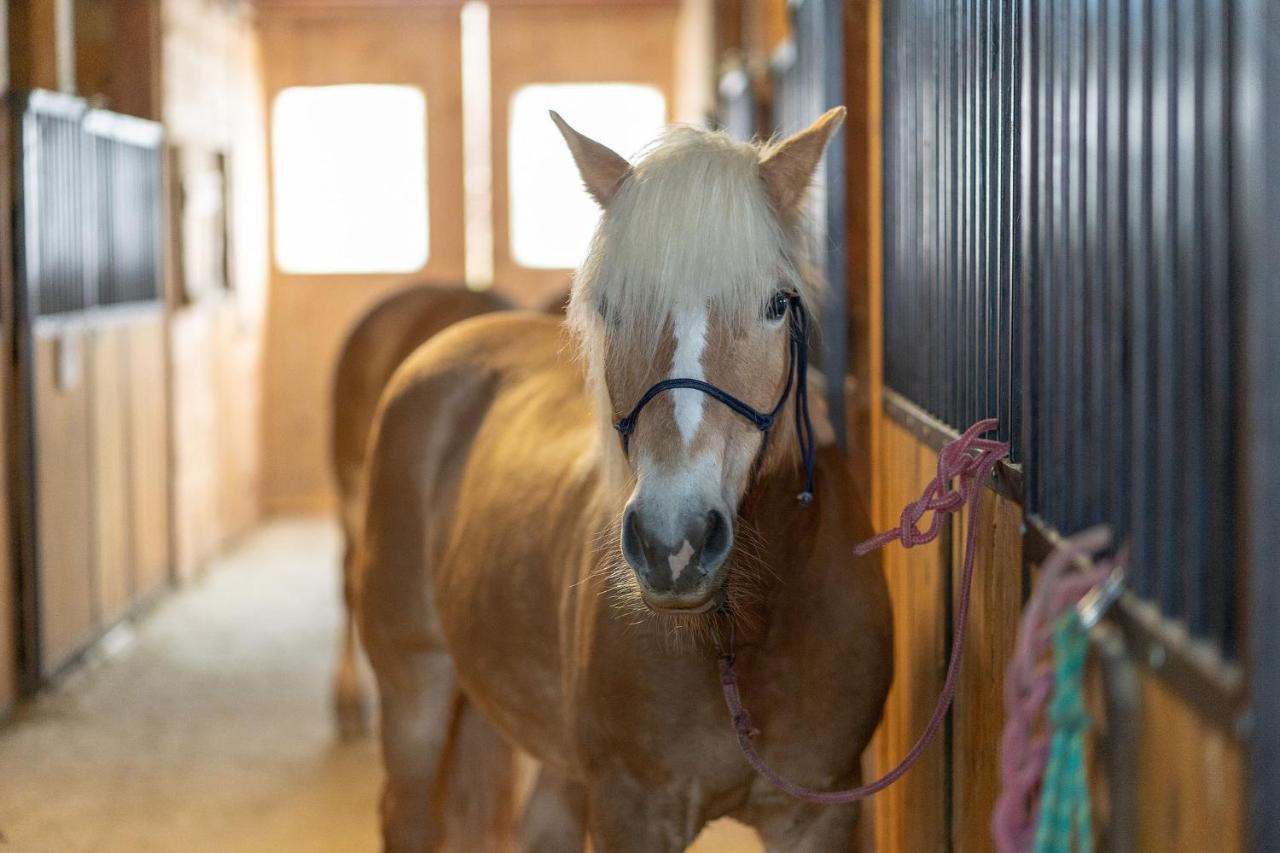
(797, 374)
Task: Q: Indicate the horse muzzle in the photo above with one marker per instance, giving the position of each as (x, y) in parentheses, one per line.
(681, 572)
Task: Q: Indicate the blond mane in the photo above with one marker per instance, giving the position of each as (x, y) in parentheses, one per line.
(691, 226)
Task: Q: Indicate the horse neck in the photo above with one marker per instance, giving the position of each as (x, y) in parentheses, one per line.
(775, 547)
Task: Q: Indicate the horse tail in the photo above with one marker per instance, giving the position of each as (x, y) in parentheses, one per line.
(475, 798)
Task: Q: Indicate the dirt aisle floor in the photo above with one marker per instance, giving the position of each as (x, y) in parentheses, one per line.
(205, 727)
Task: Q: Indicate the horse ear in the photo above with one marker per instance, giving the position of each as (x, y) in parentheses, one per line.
(788, 166)
(601, 168)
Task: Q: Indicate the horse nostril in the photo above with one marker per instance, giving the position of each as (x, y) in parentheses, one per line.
(632, 547)
(717, 539)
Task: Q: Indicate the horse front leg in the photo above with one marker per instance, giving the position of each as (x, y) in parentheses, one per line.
(418, 692)
(796, 827)
(555, 816)
(625, 817)
(417, 681)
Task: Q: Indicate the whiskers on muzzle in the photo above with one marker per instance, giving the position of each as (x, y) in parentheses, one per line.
(746, 575)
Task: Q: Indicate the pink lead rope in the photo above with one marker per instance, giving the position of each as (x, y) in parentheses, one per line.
(1024, 750)
(971, 460)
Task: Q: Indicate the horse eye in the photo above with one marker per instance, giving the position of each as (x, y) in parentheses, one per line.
(777, 307)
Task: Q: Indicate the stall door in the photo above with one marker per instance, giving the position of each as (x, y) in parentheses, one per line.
(365, 118)
(609, 70)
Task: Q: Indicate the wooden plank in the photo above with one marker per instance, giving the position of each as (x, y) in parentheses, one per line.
(10, 485)
(63, 507)
(1191, 777)
(148, 457)
(978, 710)
(8, 590)
(308, 315)
(865, 346)
(109, 471)
(570, 44)
(912, 814)
(42, 39)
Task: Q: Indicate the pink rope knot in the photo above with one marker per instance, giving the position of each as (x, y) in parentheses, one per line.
(970, 460)
(1024, 749)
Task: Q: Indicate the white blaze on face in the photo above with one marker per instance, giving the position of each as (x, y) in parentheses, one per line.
(690, 328)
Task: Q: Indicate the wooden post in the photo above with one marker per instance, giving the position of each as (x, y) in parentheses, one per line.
(862, 158)
(42, 38)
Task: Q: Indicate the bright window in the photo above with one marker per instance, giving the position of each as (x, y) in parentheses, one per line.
(350, 177)
(552, 217)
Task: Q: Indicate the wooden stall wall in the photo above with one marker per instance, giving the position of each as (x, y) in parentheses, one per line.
(549, 42)
(9, 603)
(212, 111)
(316, 44)
(694, 101)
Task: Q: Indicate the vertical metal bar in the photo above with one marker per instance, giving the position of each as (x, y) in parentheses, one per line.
(891, 227)
(1073, 292)
(1220, 335)
(1093, 444)
(1019, 119)
(1140, 212)
(1191, 229)
(972, 182)
(995, 200)
(1164, 281)
(1059, 291)
(1030, 282)
(1256, 205)
(1116, 213)
(992, 196)
(963, 219)
(941, 378)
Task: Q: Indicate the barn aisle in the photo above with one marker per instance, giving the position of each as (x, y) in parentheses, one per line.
(207, 730)
(204, 728)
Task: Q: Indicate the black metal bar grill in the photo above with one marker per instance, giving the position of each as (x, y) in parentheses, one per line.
(1058, 228)
(126, 164)
(91, 214)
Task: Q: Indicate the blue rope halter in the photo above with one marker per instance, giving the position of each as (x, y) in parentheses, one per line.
(797, 374)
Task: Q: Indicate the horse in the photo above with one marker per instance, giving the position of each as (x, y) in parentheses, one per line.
(550, 567)
(380, 340)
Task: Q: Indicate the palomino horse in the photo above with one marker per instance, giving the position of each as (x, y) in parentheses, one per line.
(381, 339)
(523, 566)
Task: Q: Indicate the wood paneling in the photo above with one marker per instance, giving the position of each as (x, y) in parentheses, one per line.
(109, 470)
(64, 501)
(977, 716)
(213, 101)
(308, 315)
(862, 137)
(148, 458)
(117, 54)
(1191, 778)
(565, 44)
(9, 446)
(41, 34)
(8, 589)
(911, 815)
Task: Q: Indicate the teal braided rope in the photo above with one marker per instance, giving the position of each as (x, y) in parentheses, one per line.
(1064, 798)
